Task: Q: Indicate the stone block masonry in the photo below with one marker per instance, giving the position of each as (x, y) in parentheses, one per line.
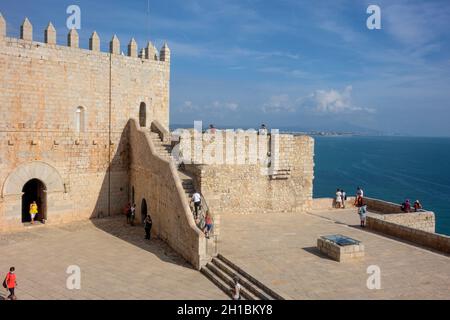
(67, 108)
(242, 187)
(340, 253)
(157, 191)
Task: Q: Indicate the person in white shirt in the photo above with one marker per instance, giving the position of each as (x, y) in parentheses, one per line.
(344, 197)
(197, 200)
(263, 130)
(338, 198)
(236, 289)
(360, 192)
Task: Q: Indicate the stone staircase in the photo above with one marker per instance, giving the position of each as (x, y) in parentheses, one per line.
(164, 150)
(222, 272)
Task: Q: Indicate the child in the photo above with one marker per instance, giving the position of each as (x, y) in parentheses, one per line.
(10, 283)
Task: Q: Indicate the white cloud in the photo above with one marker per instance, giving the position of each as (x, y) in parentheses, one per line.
(319, 102)
(332, 101)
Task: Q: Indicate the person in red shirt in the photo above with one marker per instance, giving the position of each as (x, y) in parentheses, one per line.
(11, 283)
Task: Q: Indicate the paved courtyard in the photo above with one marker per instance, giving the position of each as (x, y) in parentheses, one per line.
(280, 251)
(115, 261)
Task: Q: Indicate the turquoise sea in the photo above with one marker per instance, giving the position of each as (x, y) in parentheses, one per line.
(389, 168)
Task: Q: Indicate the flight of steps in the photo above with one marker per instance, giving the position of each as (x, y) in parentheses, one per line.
(164, 150)
(222, 272)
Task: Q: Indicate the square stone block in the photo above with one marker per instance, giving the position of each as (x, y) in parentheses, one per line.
(340, 251)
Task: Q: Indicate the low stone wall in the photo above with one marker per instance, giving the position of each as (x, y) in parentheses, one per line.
(387, 211)
(329, 203)
(157, 186)
(427, 239)
(381, 206)
(418, 220)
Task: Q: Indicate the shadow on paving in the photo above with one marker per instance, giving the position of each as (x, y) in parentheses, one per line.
(117, 227)
(315, 251)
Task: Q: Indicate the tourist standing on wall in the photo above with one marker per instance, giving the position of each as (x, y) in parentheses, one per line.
(338, 198)
(211, 129)
(344, 197)
(10, 283)
(148, 227)
(406, 206)
(197, 199)
(263, 129)
(33, 211)
(417, 206)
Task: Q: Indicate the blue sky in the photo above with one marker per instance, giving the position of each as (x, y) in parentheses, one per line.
(300, 63)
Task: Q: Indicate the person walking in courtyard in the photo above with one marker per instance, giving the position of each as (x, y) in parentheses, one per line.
(132, 213)
(33, 211)
(208, 224)
(10, 283)
(197, 200)
(148, 227)
(362, 211)
(338, 199)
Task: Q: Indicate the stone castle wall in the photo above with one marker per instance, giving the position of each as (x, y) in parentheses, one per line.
(155, 182)
(246, 187)
(42, 87)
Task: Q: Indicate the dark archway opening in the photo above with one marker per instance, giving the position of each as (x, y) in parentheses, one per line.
(144, 211)
(143, 115)
(34, 190)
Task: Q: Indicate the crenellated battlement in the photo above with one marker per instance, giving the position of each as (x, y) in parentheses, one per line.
(73, 41)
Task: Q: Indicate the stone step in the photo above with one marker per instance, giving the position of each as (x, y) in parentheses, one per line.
(219, 283)
(228, 281)
(254, 290)
(272, 295)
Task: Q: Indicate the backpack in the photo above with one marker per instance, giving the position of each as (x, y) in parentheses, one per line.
(5, 285)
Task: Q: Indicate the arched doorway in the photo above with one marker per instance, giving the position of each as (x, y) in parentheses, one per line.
(34, 190)
(144, 211)
(143, 115)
